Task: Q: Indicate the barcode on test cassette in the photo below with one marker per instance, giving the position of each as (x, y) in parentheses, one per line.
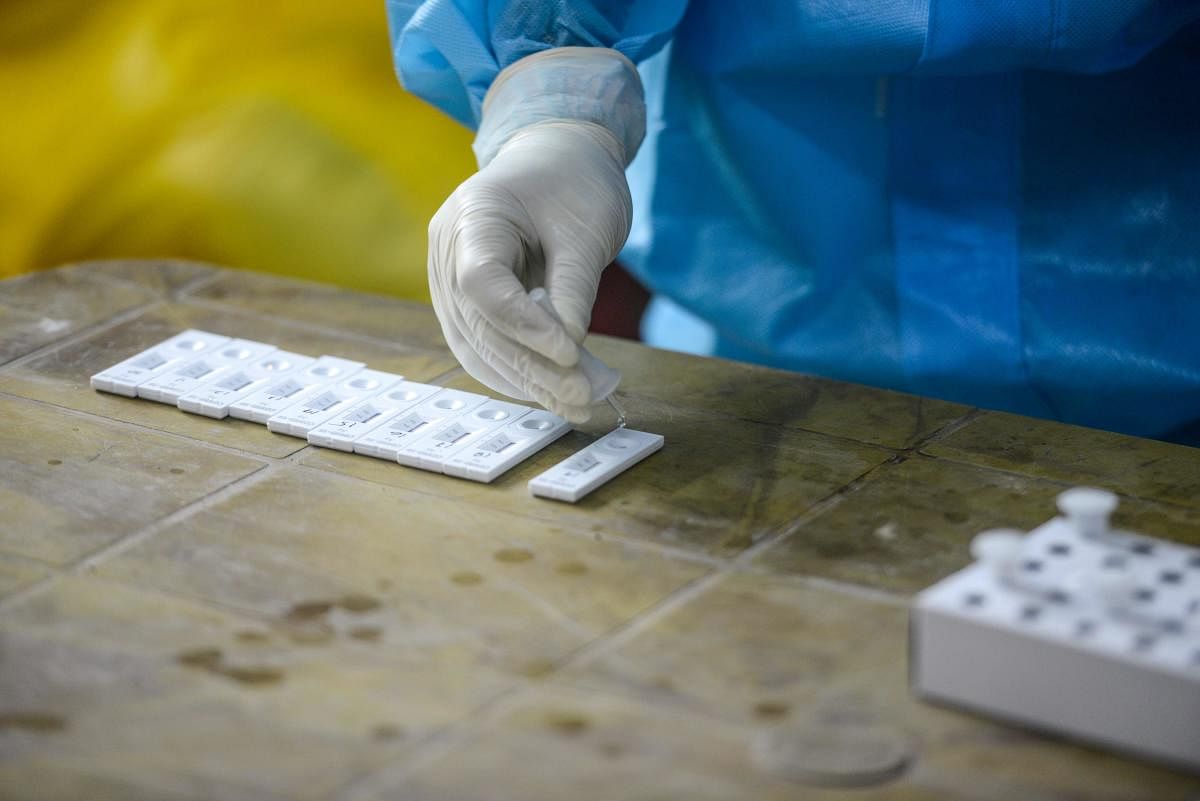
(582, 462)
(197, 369)
(409, 424)
(451, 433)
(323, 402)
(497, 444)
(285, 390)
(151, 361)
(362, 414)
(233, 383)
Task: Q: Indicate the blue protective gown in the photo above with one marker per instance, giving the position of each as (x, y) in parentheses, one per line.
(990, 201)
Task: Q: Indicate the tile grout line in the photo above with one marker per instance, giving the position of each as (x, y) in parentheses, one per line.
(388, 774)
(453, 372)
(228, 450)
(121, 544)
(819, 508)
(950, 428)
(1065, 483)
(289, 322)
(446, 740)
(179, 294)
(83, 333)
(611, 536)
(166, 294)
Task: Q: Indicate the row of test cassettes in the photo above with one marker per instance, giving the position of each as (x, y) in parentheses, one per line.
(339, 403)
(336, 403)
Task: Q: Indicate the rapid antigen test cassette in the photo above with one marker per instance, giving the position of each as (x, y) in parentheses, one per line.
(123, 378)
(595, 465)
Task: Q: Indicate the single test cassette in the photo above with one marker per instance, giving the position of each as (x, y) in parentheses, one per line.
(595, 465)
(123, 378)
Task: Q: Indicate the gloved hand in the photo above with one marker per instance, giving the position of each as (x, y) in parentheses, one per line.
(549, 207)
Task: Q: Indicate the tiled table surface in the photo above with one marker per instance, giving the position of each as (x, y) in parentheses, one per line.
(200, 609)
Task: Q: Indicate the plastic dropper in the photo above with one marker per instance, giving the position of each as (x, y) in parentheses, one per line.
(602, 378)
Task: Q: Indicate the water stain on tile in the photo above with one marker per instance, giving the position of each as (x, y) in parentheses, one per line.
(212, 660)
(307, 632)
(387, 731)
(309, 610)
(466, 578)
(611, 750)
(358, 603)
(367, 633)
(205, 658)
(771, 710)
(536, 668)
(513, 555)
(664, 683)
(569, 724)
(39, 722)
(254, 676)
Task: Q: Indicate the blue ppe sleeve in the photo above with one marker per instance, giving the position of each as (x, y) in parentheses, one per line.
(1087, 36)
(449, 51)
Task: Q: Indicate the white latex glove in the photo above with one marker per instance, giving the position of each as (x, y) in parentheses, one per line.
(549, 207)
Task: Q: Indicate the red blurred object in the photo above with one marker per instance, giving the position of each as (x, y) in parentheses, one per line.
(620, 302)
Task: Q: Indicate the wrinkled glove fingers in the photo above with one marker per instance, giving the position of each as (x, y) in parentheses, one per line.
(483, 367)
(493, 288)
(521, 366)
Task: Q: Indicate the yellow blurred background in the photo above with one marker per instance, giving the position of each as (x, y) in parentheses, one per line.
(269, 135)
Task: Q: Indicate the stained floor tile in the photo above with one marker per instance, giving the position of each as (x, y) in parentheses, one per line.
(563, 744)
(911, 524)
(69, 485)
(769, 652)
(43, 307)
(165, 277)
(403, 322)
(775, 397)
(1142, 468)
(17, 572)
(61, 377)
(107, 681)
(518, 593)
(715, 487)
